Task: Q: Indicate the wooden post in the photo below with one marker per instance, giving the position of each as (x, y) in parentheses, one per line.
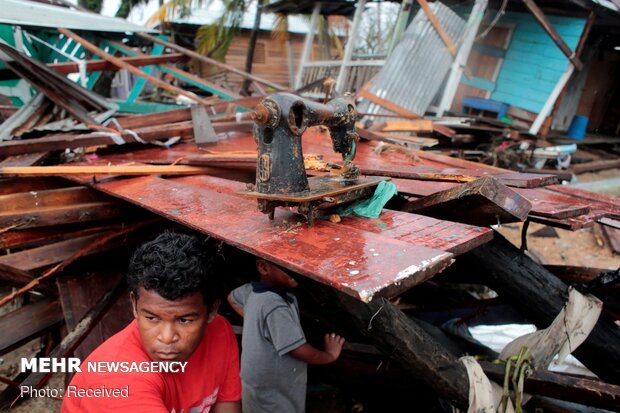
(401, 23)
(400, 338)
(210, 61)
(123, 65)
(456, 72)
(305, 54)
(348, 50)
(546, 24)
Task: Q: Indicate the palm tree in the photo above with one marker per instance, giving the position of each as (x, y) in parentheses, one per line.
(213, 40)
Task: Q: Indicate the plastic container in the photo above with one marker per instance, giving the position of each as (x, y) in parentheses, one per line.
(577, 128)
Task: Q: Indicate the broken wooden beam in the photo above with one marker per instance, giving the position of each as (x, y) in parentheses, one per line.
(102, 65)
(402, 339)
(28, 322)
(71, 340)
(482, 202)
(47, 255)
(132, 69)
(540, 296)
(111, 137)
(65, 214)
(64, 170)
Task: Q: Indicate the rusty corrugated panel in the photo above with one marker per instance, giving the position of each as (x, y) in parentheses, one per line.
(416, 69)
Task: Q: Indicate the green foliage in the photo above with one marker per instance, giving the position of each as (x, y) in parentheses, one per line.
(92, 5)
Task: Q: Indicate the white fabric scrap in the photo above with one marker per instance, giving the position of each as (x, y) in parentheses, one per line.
(568, 331)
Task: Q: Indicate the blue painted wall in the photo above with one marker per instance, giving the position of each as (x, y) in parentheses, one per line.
(533, 63)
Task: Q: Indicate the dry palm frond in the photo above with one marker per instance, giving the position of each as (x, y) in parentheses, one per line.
(280, 29)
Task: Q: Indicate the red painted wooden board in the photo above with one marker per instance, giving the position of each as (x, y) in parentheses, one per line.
(544, 203)
(412, 228)
(357, 262)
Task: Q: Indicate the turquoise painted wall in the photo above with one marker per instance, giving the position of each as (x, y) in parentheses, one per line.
(533, 63)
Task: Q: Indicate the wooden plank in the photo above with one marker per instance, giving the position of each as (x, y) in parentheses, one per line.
(610, 222)
(101, 65)
(64, 170)
(514, 179)
(28, 322)
(48, 198)
(544, 203)
(182, 115)
(25, 160)
(37, 236)
(550, 29)
(14, 185)
(146, 134)
(72, 340)
(360, 264)
(210, 61)
(41, 257)
(188, 78)
(411, 228)
(78, 292)
(602, 201)
(391, 106)
(122, 65)
(14, 276)
(42, 217)
(595, 166)
(482, 202)
(613, 237)
(387, 137)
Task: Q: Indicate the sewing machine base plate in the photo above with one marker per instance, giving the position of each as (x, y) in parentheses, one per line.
(324, 192)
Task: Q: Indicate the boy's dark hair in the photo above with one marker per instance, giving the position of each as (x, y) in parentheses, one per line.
(174, 266)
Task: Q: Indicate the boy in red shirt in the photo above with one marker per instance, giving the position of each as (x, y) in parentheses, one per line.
(178, 355)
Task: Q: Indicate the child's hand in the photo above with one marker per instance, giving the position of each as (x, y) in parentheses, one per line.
(333, 345)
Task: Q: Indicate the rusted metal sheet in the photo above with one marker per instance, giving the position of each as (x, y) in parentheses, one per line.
(357, 262)
(412, 228)
(415, 70)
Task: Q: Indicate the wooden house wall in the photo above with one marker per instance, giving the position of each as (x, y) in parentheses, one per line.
(533, 63)
(270, 58)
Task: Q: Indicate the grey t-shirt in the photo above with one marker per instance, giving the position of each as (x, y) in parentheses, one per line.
(273, 381)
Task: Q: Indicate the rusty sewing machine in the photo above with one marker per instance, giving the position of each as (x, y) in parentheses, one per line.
(281, 180)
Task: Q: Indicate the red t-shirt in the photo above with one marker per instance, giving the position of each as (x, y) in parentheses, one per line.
(211, 375)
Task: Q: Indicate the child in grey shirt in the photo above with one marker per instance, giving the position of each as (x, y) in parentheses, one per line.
(274, 350)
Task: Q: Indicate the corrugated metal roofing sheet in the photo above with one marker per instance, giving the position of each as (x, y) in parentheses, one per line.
(34, 14)
(419, 63)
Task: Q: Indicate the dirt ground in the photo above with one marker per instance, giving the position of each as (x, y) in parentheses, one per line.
(587, 247)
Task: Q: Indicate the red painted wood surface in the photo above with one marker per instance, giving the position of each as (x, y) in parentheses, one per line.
(412, 228)
(360, 263)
